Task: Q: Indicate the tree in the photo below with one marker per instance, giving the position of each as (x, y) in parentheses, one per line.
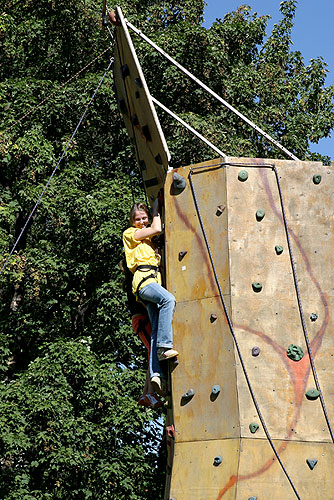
(71, 368)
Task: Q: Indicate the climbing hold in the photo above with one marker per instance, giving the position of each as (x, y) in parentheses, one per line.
(182, 254)
(311, 462)
(146, 133)
(314, 317)
(187, 396)
(253, 427)
(257, 286)
(122, 106)
(134, 120)
(142, 165)
(215, 391)
(220, 210)
(243, 175)
(139, 83)
(260, 214)
(278, 249)
(125, 71)
(312, 394)
(252, 498)
(213, 317)
(255, 351)
(179, 183)
(317, 179)
(158, 159)
(294, 352)
(217, 461)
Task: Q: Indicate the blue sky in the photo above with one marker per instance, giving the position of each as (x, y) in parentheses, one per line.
(312, 35)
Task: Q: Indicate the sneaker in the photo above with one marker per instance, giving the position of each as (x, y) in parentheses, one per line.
(150, 401)
(158, 385)
(166, 353)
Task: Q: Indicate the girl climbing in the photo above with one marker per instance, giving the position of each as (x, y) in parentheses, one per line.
(143, 261)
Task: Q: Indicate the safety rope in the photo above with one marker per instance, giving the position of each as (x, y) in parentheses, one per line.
(266, 431)
(53, 93)
(302, 317)
(294, 272)
(56, 167)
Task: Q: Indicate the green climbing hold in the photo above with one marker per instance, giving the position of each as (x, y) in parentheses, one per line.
(295, 352)
(260, 214)
(317, 179)
(257, 286)
(312, 394)
(278, 249)
(243, 175)
(253, 427)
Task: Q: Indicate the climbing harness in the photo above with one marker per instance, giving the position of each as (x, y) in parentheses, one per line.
(266, 431)
(56, 167)
(146, 267)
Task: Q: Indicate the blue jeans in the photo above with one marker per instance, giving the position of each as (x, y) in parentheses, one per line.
(160, 306)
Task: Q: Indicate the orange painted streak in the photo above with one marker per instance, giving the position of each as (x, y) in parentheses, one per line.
(231, 482)
(298, 371)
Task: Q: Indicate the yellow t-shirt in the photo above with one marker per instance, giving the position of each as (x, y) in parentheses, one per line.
(140, 253)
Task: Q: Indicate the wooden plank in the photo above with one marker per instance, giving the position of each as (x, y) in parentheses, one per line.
(206, 360)
(191, 278)
(262, 477)
(194, 475)
(137, 109)
(244, 252)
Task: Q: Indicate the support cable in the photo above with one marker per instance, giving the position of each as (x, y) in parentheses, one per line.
(53, 93)
(266, 431)
(56, 167)
(211, 92)
(185, 124)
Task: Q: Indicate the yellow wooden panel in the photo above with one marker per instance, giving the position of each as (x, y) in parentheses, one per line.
(279, 383)
(206, 359)
(262, 477)
(192, 277)
(194, 475)
(138, 112)
(244, 252)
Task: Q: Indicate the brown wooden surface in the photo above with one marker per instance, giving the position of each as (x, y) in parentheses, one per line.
(138, 102)
(244, 252)
(194, 475)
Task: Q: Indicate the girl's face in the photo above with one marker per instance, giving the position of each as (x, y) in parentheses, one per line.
(141, 219)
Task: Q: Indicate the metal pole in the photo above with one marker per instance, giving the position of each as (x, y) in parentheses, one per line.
(185, 124)
(216, 96)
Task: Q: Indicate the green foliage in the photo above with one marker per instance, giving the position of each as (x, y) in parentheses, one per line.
(72, 370)
(68, 428)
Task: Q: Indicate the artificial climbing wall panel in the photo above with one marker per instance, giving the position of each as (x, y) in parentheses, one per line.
(138, 112)
(276, 297)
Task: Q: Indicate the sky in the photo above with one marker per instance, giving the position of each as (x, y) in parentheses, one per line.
(312, 35)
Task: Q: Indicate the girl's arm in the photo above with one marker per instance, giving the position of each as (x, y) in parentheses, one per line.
(155, 227)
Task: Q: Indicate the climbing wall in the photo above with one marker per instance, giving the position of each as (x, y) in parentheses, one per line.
(246, 391)
(136, 107)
